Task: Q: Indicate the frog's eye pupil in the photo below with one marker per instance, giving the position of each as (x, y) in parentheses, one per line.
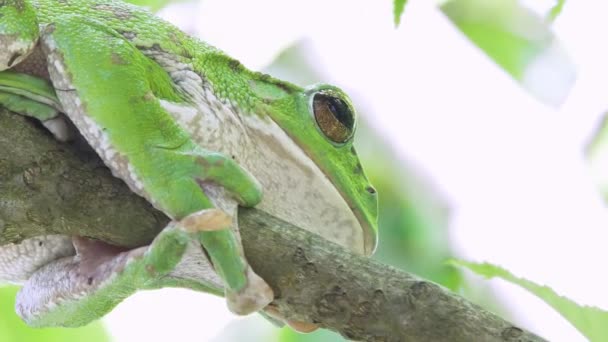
(334, 117)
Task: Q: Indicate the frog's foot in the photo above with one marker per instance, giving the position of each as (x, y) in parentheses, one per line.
(206, 220)
(256, 295)
(245, 291)
(301, 327)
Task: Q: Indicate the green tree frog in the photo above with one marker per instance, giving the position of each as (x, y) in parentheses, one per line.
(189, 129)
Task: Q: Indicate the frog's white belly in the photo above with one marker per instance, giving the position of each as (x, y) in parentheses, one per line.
(295, 189)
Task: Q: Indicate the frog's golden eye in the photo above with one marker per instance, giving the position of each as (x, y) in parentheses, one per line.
(334, 117)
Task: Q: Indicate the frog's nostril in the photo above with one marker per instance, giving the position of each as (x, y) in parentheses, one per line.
(371, 190)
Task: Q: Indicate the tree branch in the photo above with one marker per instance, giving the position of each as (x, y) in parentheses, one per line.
(50, 188)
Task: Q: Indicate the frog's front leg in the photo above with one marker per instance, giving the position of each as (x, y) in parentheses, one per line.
(34, 97)
(113, 97)
(219, 231)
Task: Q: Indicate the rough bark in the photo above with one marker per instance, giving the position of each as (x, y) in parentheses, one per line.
(47, 187)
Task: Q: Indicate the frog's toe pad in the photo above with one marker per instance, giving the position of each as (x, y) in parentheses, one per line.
(254, 297)
(206, 220)
(301, 327)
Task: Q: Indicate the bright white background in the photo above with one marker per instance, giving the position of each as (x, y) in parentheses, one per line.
(511, 168)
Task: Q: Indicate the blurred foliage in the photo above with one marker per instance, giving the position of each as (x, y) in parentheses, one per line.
(597, 156)
(517, 39)
(555, 11)
(12, 328)
(492, 28)
(590, 321)
(398, 10)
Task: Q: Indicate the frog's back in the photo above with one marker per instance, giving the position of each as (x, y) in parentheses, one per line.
(134, 23)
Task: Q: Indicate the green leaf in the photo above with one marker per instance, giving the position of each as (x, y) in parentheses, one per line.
(555, 10)
(12, 327)
(519, 41)
(597, 156)
(398, 10)
(590, 321)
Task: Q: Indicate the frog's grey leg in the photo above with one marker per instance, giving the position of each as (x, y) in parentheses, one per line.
(75, 290)
(18, 261)
(114, 101)
(34, 97)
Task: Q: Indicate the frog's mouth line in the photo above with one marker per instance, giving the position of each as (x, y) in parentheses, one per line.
(69, 278)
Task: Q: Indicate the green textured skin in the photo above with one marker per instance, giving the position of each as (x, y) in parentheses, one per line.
(29, 84)
(28, 95)
(120, 88)
(26, 28)
(25, 106)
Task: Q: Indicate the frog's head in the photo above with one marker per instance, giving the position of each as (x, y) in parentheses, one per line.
(321, 121)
